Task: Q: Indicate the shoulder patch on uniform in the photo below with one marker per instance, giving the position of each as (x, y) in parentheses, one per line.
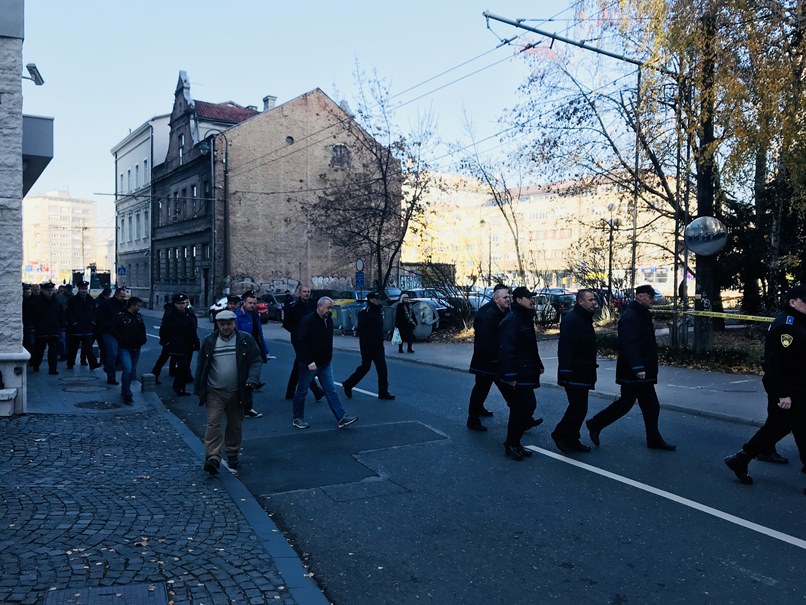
(790, 319)
(786, 340)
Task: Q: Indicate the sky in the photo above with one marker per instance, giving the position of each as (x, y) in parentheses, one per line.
(110, 65)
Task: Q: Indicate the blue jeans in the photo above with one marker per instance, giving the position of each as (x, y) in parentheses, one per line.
(128, 359)
(111, 346)
(325, 375)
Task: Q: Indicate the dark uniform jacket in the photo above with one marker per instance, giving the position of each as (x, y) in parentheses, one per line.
(519, 359)
(80, 315)
(107, 314)
(315, 340)
(485, 345)
(29, 311)
(370, 328)
(293, 314)
(637, 348)
(130, 331)
(48, 316)
(785, 356)
(178, 332)
(576, 350)
(247, 360)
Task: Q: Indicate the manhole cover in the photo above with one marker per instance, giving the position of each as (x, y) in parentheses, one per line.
(98, 405)
(139, 594)
(85, 389)
(80, 379)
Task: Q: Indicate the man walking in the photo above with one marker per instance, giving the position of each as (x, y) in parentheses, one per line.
(227, 370)
(48, 326)
(80, 327)
(636, 372)
(106, 320)
(314, 356)
(785, 383)
(130, 333)
(247, 319)
(576, 370)
(484, 363)
(370, 342)
(178, 331)
(521, 368)
(292, 317)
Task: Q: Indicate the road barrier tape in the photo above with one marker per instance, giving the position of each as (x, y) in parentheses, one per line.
(715, 314)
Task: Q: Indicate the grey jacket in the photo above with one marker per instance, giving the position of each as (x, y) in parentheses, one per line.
(247, 359)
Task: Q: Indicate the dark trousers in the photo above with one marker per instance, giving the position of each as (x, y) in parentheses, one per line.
(53, 344)
(293, 379)
(575, 413)
(378, 357)
(161, 360)
(778, 425)
(182, 374)
(480, 392)
(522, 404)
(85, 342)
(647, 401)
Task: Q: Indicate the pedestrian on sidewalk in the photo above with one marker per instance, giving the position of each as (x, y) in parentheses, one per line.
(106, 319)
(178, 331)
(293, 313)
(314, 357)
(785, 384)
(636, 371)
(130, 333)
(576, 370)
(48, 326)
(371, 343)
(521, 368)
(247, 319)
(484, 363)
(227, 371)
(80, 327)
(165, 353)
(97, 335)
(405, 322)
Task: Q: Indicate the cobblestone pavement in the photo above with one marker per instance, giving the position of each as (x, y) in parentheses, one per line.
(120, 499)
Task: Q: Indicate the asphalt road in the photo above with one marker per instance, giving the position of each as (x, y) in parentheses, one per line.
(408, 506)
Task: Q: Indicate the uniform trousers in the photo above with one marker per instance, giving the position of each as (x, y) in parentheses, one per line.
(481, 389)
(85, 342)
(522, 404)
(378, 357)
(182, 373)
(223, 404)
(647, 401)
(778, 425)
(575, 413)
(52, 345)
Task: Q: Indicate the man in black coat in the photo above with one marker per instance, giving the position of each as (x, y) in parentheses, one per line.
(81, 327)
(178, 331)
(636, 371)
(48, 326)
(293, 313)
(484, 363)
(785, 383)
(130, 332)
(576, 370)
(370, 342)
(106, 320)
(521, 368)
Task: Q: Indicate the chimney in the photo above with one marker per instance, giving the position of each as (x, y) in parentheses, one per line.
(268, 102)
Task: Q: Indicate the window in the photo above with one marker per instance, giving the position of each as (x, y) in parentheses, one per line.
(146, 175)
(122, 229)
(341, 156)
(181, 149)
(137, 175)
(137, 226)
(131, 230)
(128, 179)
(121, 183)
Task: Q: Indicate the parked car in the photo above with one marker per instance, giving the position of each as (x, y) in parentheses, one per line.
(445, 312)
(221, 303)
(269, 308)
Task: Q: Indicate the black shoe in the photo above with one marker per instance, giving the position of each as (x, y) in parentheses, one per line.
(111, 381)
(348, 391)
(485, 413)
(662, 445)
(289, 396)
(251, 413)
(524, 452)
(212, 465)
(774, 457)
(181, 393)
(233, 462)
(738, 464)
(410, 351)
(561, 443)
(260, 385)
(476, 425)
(388, 396)
(534, 422)
(35, 368)
(53, 372)
(84, 363)
(578, 446)
(319, 395)
(594, 433)
(72, 366)
(128, 399)
(513, 451)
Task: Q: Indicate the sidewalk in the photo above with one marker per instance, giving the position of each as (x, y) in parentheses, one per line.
(108, 503)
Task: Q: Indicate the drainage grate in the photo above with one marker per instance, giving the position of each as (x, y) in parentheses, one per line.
(135, 594)
(99, 405)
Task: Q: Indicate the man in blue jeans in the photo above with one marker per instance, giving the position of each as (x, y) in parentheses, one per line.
(314, 356)
(130, 334)
(105, 322)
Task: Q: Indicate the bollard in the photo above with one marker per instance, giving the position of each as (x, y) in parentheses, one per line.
(148, 382)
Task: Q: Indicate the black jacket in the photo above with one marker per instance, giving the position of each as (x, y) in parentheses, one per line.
(637, 348)
(293, 314)
(405, 320)
(519, 360)
(576, 350)
(315, 340)
(485, 344)
(178, 331)
(130, 331)
(785, 356)
(81, 315)
(48, 316)
(107, 314)
(370, 328)
(247, 360)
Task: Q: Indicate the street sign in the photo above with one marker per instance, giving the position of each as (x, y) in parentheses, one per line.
(359, 279)
(121, 270)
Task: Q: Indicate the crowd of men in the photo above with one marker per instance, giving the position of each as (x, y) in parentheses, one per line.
(505, 354)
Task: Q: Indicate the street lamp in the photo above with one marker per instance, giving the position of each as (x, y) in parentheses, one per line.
(613, 224)
(482, 224)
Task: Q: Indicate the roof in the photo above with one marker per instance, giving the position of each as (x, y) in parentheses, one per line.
(224, 112)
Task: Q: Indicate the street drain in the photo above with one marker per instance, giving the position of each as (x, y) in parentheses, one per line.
(98, 405)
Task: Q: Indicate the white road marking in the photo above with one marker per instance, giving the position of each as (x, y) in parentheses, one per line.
(738, 381)
(777, 535)
(357, 390)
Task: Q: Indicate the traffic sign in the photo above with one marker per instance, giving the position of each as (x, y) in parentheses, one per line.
(359, 279)
(121, 270)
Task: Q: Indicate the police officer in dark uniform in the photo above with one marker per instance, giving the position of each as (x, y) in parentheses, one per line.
(48, 326)
(370, 342)
(636, 371)
(521, 368)
(178, 332)
(785, 383)
(484, 363)
(576, 370)
(81, 327)
(293, 313)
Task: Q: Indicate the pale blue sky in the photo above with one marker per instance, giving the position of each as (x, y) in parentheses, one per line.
(110, 65)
